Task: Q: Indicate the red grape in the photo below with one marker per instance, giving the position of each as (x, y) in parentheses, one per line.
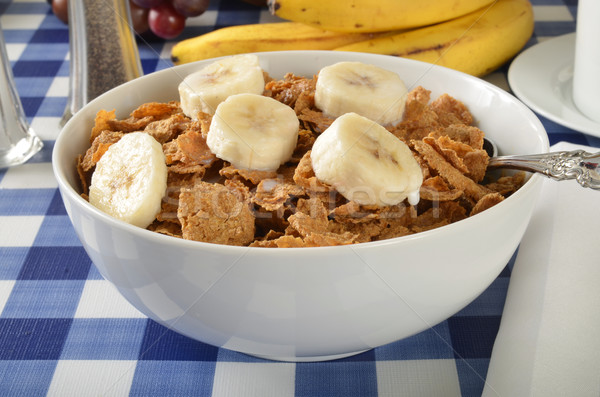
(190, 8)
(165, 18)
(148, 3)
(165, 22)
(60, 8)
(139, 17)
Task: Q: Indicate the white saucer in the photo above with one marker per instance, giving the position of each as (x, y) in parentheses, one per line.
(542, 77)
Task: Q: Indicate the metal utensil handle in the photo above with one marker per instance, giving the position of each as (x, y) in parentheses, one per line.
(577, 164)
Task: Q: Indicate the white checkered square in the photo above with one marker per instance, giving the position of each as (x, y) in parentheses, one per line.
(417, 378)
(19, 231)
(46, 128)
(29, 176)
(15, 50)
(267, 17)
(165, 53)
(59, 87)
(6, 287)
(83, 378)
(21, 21)
(209, 18)
(552, 14)
(100, 299)
(254, 379)
(498, 79)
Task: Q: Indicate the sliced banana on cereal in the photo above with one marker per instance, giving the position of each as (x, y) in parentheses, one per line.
(366, 163)
(205, 89)
(130, 179)
(368, 90)
(253, 132)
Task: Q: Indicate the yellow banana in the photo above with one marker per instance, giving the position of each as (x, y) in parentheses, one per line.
(476, 43)
(277, 36)
(372, 15)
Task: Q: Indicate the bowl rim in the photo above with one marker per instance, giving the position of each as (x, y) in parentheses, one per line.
(66, 188)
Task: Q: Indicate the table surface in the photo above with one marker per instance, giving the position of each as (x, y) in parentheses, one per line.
(65, 331)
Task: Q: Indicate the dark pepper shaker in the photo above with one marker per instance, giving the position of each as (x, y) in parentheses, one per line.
(103, 51)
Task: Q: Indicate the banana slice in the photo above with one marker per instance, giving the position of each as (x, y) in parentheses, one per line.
(366, 163)
(130, 179)
(253, 132)
(368, 90)
(206, 88)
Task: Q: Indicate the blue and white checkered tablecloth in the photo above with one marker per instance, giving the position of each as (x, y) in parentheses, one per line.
(65, 331)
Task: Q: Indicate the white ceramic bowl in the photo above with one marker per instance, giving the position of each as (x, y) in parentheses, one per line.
(302, 304)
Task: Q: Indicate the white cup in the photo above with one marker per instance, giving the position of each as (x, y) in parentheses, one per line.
(586, 71)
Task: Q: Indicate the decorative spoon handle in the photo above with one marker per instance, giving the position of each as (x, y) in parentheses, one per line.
(577, 164)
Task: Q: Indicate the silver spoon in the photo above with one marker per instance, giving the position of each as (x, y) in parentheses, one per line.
(580, 165)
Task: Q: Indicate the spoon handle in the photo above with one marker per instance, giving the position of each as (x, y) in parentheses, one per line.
(577, 164)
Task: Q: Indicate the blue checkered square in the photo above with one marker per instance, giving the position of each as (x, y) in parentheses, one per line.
(94, 274)
(473, 336)
(18, 35)
(490, 302)
(243, 12)
(177, 378)
(25, 378)
(11, 261)
(32, 338)
(433, 343)
(336, 378)
(31, 105)
(554, 28)
(50, 106)
(56, 231)
(471, 375)
(233, 356)
(50, 36)
(44, 155)
(149, 65)
(593, 141)
(52, 22)
(161, 343)
(43, 299)
(54, 52)
(28, 201)
(104, 339)
(56, 207)
(369, 355)
(56, 263)
(46, 68)
(33, 86)
(574, 137)
(32, 8)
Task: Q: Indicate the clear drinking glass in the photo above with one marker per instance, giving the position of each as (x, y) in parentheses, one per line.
(18, 142)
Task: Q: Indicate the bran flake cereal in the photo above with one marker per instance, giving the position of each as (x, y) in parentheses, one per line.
(208, 199)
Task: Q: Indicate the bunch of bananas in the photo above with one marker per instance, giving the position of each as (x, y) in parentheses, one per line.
(473, 36)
